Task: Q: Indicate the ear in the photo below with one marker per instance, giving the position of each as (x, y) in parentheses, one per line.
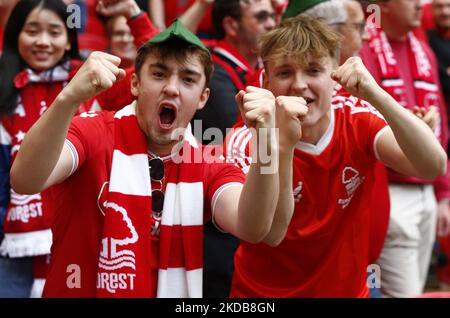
(230, 26)
(68, 46)
(134, 85)
(203, 98)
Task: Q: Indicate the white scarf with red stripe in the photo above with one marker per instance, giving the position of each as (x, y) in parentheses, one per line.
(125, 249)
(425, 89)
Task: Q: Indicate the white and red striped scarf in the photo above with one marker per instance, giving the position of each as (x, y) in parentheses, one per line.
(28, 218)
(126, 248)
(426, 90)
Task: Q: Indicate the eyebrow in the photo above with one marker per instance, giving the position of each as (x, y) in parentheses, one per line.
(191, 72)
(282, 66)
(36, 24)
(185, 70)
(158, 65)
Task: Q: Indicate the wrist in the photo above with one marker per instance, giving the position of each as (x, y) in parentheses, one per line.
(69, 100)
(378, 98)
(133, 12)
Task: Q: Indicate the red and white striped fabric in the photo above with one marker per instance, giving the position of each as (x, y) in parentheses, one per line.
(425, 88)
(29, 217)
(126, 240)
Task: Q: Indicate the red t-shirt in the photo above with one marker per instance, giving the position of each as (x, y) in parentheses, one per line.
(175, 8)
(78, 224)
(325, 251)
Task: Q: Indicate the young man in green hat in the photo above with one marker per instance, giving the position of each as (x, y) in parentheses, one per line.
(121, 231)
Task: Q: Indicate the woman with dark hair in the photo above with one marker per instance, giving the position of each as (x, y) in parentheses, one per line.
(39, 57)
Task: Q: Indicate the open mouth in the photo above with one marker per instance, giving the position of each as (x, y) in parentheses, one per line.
(167, 116)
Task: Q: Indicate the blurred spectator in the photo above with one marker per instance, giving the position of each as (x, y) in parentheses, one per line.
(406, 68)
(121, 41)
(439, 39)
(92, 34)
(5, 9)
(236, 57)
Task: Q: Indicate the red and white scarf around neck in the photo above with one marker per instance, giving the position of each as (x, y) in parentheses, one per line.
(125, 248)
(425, 89)
(28, 218)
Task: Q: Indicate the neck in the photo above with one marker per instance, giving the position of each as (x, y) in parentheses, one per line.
(393, 31)
(161, 151)
(313, 134)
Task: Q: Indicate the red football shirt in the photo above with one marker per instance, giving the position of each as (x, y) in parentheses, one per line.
(78, 224)
(325, 251)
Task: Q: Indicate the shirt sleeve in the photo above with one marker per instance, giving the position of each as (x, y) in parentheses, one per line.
(221, 176)
(369, 125)
(142, 29)
(84, 137)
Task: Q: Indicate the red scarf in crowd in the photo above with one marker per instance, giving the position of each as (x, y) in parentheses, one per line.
(28, 218)
(125, 248)
(425, 89)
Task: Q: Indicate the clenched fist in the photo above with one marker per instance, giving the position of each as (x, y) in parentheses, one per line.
(257, 106)
(356, 79)
(98, 73)
(290, 112)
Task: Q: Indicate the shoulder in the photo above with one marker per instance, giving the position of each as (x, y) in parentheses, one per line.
(351, 107)
(92, 126)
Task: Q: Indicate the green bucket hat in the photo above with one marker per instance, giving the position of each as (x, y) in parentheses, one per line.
(179, 31)
(295, 7)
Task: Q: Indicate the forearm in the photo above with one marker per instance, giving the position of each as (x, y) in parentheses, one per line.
(260, 194)
(156, 8)
(42, 146)
(285, 205)
(194, 15)
(429, 159)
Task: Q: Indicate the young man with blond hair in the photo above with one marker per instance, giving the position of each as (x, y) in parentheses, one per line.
(337, 142)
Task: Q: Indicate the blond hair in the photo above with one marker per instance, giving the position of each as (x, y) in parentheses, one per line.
(300, 38)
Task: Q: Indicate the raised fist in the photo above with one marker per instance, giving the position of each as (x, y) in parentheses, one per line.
(98, 73)
(257, 106)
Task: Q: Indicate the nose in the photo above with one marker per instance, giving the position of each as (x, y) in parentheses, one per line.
(171, 87)
(300, 84)
(270, 23)
(418, 5)
(43, 39)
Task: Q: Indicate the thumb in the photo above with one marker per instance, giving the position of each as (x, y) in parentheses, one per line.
(122, 74)
(240, 100)
(334, 76)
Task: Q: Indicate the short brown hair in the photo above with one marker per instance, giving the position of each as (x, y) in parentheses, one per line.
(301, 38)
(174, 48)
